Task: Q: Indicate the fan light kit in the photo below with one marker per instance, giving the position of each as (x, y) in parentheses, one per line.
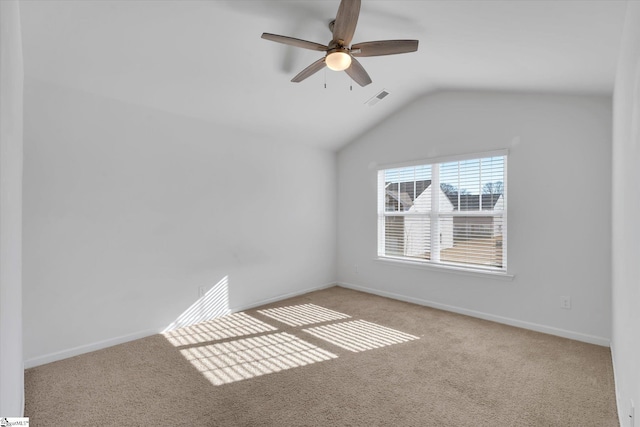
(338, 60)
(338, 55)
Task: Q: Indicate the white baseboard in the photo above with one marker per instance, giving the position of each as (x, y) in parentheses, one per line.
(23, 394)
(591, 339)
(282, 297)
(87, 348)
(615, 385)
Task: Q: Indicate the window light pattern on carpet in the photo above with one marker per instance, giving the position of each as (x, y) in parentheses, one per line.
(230, 326)
(304, 314)
(241, 359)
(359, 335)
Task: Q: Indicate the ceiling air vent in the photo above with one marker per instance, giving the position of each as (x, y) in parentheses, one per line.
(376, 98)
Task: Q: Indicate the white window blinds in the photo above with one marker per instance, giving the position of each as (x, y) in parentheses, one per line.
(451, 213)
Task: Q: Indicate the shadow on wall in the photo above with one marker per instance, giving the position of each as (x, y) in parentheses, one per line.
(214, 303)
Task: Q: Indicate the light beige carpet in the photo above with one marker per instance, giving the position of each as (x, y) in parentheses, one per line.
(335, 357)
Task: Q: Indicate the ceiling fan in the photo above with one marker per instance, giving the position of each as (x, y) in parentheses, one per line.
(338, 55)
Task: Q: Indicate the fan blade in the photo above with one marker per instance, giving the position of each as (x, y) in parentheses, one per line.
(346, 21)
(310, 70)
(294, 42)
(384, 47)
(357, 72)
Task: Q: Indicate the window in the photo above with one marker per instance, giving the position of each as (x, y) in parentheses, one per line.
(462, 223)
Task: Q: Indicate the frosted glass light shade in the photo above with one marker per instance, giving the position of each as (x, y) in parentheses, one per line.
(338, 61)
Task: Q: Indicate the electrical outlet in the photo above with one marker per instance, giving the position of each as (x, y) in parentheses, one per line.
(201, 291)
(355, 268)
(565, 302)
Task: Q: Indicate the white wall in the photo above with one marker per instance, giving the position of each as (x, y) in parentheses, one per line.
(559, 186)
(626, 220)
(128, 211)
(11, 81)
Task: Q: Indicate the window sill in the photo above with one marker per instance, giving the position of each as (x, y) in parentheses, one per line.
(402, 263)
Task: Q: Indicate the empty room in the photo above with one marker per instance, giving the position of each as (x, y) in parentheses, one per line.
(320, 213)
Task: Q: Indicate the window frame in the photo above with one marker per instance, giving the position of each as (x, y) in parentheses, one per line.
(435, 214)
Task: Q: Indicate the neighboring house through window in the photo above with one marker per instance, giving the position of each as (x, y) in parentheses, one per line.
(450, 213)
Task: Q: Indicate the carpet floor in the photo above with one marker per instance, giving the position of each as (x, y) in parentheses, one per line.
(334, 357)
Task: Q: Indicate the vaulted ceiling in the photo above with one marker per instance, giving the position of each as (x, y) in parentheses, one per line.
(205, 59)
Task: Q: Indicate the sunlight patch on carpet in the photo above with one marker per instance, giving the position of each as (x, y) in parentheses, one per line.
(241, 359)
(304, 314)
(230, 326)
(214, 303)
(359, 335)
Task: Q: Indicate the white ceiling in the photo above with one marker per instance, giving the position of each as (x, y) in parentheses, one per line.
(205, 59)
